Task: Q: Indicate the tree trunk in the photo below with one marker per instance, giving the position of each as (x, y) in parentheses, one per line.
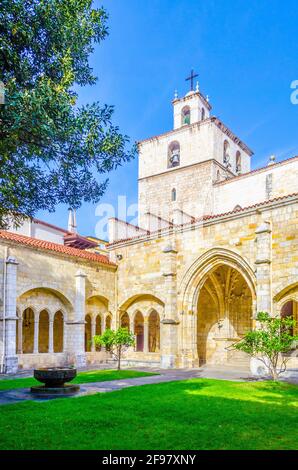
(274, 374)
(274, 363)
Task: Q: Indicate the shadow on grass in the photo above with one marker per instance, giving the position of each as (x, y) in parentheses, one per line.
(81, 378)
(193, 414)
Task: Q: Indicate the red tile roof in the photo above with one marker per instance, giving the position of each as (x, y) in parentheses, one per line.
(45, 245)
(256, 170)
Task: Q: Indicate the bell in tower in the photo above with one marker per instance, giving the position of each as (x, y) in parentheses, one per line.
(174, 154)
(175, 160)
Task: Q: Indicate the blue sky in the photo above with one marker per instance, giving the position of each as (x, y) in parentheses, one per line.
(246, 54)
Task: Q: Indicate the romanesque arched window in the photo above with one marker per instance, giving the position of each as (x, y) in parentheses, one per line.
(238, 162)
(58, 332)
(98, 330)
(203, 114)
(287, 311)
(139, 331)
(185, 115)
(226, 152)
(28, 326)
(108, 322)
(125, 322)
(174, 195)
(43, 332)
(173, 154)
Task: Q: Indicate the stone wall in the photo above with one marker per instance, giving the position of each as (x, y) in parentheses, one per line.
(198, 142)
(51, 282)
(230, 240)
(267, 183)
(193, 192)
(162, 273)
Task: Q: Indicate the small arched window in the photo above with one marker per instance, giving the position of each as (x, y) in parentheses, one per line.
(185, 116)
(287, 311)
(238, 162)
(226, 152)
(174, 195)
(173, 154)
(203, 114)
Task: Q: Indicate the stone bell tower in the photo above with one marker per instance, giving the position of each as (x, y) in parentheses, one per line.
(177, 169)
(191, 108)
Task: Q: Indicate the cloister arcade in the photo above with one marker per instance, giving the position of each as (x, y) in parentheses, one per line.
(142, 315)
(220, 290)
(97, 319)
(145, 327)
(40, 327)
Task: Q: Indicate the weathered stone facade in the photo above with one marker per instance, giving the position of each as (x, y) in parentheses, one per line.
(188, 282)
(264, 258)
(45, 281)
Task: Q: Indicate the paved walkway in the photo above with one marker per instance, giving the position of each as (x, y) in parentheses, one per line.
(19, 395)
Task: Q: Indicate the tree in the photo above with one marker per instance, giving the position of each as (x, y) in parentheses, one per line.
(270, 342)
(116, 342)
(50, 148)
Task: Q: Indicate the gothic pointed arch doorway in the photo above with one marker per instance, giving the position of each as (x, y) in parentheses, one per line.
(218, 302)
(224, 315)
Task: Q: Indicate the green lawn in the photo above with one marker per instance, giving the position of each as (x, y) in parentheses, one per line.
(192, 414)
(82, 377)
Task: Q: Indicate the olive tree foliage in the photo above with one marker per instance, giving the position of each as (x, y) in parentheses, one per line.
(271, 342)
(116, 342)
(51, 148)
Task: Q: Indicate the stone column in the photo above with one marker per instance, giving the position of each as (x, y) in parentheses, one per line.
(263, 268)
(51, 335)
(146, 335)
(103, 323)
(263, 288)
(116, 319)
(36, 331)
(76, 328)
(20, 336)
(93, 332)
(131, 326)
(10, 314)
(169, 324)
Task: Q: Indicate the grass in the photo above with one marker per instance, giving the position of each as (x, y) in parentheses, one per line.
(82, 377)
(192, 414)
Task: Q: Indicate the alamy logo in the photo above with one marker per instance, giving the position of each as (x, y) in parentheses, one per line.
(294, 94)
(2, 93)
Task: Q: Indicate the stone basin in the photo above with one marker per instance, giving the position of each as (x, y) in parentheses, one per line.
(55, 376)
(55, 381)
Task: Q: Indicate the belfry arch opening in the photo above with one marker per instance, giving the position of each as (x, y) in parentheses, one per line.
(185, 116)
(224, 314)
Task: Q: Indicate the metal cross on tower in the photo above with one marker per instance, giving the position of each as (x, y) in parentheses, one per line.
(191, 78)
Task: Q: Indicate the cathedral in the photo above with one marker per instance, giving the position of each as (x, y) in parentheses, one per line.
(216, 242)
